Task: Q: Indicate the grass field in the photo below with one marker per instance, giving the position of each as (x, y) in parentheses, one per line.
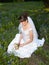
(9, 13)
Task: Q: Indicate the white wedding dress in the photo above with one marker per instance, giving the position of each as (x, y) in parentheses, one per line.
(27, 50)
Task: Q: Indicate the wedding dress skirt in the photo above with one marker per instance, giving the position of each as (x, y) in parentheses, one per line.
(25, 51)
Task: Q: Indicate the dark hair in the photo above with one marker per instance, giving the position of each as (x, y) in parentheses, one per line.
(23, 17)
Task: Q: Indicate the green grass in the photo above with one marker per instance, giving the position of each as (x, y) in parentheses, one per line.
(9, 13)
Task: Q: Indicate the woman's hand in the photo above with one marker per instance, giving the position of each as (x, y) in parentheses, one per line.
(21, 45)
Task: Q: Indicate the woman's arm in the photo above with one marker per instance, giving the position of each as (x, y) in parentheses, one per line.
(20, 37)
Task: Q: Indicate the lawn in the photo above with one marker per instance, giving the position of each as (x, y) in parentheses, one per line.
(9, 13)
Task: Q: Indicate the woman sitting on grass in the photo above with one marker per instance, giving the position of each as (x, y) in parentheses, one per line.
(25, 42)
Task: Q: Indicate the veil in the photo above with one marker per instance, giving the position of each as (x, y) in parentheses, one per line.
(32, 25)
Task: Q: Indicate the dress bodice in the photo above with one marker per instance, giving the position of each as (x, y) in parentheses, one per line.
(25, 34)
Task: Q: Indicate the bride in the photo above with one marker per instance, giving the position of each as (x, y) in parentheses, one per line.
(26, 41)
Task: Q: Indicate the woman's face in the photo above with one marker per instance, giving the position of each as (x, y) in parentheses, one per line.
(24, 23)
